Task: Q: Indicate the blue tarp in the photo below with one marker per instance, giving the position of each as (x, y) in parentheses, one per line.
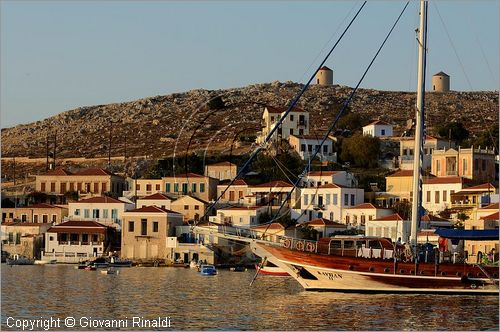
(461, 234)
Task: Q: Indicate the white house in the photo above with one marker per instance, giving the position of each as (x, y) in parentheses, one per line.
(242, 216)
(318, 178)
(436, 192)
(358, 215)
(306, 145)
(392, 226)
(378, 128)
(323, 226)
(327, 201)
(296, 122)
(157, 199)
(103, 209)
(235, 194)
(74, 241)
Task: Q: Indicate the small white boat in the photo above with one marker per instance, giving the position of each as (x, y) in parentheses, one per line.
(193, 264)
(44, 262)
(110, 270)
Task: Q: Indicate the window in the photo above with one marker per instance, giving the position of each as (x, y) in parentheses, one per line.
(301, 131)
(483, 163)
(155, 226)
(272, 119)
(42, 188)
(346, 199)
(436, 197)
(444, 195)
(428, 196)
(334, 199)
(193, 187)
(186, 207)
(96, 187)
(202, 187)
(148, 187)
(24, 218)
(325, 149)
(53, 187)
(291, 131)
(438, 166)
(196, 207)
(184, 188)
(302, 148)
(54, 218)
(327, 199)
(105, 213)
(240, 194)
(363, 219)
(291, 117)
(86, 213)
(464, 166)
(95, 213)
(382, 132)
(79, 186)
(114, 214)
(144, 227)
(167, 187)
(353, 199)
(18, 238)
(476, 164)
(104, 187)
(131, 226)
(313, 199)
(85, 238)
(158, 187)
(306, 199)
(309, 147)
(176, 187)
(45, 218)
(77, 212)
(137, 187)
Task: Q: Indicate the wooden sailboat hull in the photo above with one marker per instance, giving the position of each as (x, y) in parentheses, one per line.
(354, 274)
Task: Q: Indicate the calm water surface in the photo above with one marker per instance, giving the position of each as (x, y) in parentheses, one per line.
(226, 301)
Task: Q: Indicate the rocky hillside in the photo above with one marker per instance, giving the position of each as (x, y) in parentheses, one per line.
(183, 122)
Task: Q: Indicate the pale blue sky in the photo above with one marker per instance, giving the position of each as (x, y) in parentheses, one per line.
(60, 55)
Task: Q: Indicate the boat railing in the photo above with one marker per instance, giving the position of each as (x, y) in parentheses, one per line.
(299, 244)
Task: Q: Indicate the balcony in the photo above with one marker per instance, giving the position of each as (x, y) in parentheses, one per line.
(302, 123)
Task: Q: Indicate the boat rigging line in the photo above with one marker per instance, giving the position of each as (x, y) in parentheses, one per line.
(344, 107)
(278, 124)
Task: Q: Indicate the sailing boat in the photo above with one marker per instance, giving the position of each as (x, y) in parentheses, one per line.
(372, 264)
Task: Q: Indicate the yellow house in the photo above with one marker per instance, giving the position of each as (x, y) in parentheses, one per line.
(88, 182)
(235, 194)
(196, 185)
(145, 232)
(36, 213)
(191, 208)
(474, 247)
(222, 171)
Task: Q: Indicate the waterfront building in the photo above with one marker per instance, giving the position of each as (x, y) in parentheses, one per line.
(105, 210)
(222, 171)
(157, 199)
(474, 247)
(305, 145)
(391, 226)
(378, 128)
(87, 183)
(75, 240)
(327, 201)
(274, 232)
(323, 227)
(144, 187)
(431, 143)
(437, 192)
(472, 163)
(145, 232)
(358, 215)
(23, 238)
(241, 216)
(470, 198)
(400, 184)
(296, 123)
(187, 246)
(484, 211)
(36, 213)
(191, 208)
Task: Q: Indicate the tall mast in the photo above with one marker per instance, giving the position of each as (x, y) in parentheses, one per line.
(419, 125)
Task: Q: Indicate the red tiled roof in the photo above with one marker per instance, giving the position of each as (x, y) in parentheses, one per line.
(318, 137)
(274, 184)
(430, 217)
(238, 182)
(442, 180)
(391, 217)
(193, 197)
(222, 163)
(484, 186)
(156, 196)
(325, 68)
(273, 226)
(401, 173)
(367, 206)
(30, 224)
(322, 173)
(380, 122)
(493, 206)
(322, 222)
(94, 171)
(493, 216)
(152, 209)
(41, 206)
(78, 226)
(248, 208)
(59, 171)
(272, 109)
(100, 199)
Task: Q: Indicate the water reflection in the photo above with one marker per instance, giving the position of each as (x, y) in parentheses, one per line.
(227, 302)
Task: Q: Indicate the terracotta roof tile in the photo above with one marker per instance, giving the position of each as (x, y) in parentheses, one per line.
(493, 216)
(186, 175)
(156, 196)
(223, 163)
(367, 206)
(273, 226)
(379, 122)
(94, 172)
(59, 171)
(238, 182)
(274, 184)
(493, 206)
(322, 222)
(392, 217)
(401, 173)
(99, 199)
(279, 110)
(322, 173)
(443, 180)
(40, 206)
(152, 209)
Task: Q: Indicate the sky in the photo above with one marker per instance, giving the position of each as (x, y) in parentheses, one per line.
(60, 55)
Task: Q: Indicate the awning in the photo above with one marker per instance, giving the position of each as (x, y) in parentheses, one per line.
(460, 234)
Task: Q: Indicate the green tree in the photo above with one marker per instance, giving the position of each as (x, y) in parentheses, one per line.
(351, 121)
(216, 103)
(487, 138)
(456, 129)
(308, 232)
(361, 150)
(72, 196)
(403, 208)
(281, 167)
(37, 197)
(461, 217)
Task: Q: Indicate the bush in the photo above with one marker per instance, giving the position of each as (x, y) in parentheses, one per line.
(361, 150)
